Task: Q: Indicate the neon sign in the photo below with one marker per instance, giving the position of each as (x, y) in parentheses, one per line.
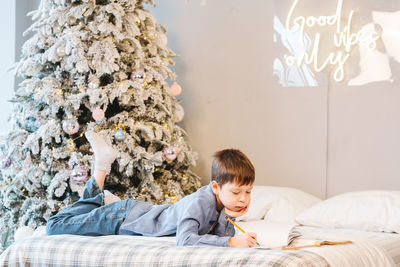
(344, 40)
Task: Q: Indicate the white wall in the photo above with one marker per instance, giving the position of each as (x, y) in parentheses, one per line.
(325, 140)
(7, 50)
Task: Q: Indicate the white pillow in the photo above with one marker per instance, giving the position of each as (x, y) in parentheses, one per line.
(376, 211)
(277, 204)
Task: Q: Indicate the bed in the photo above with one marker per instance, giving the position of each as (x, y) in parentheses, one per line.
(280, 217)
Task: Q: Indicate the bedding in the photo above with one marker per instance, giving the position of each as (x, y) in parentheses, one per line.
(367, 249)
(373, 210)
(277, 204)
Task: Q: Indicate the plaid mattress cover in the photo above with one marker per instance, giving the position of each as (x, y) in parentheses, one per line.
(73, 250)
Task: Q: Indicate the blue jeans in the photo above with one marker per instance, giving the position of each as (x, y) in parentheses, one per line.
(89, 216)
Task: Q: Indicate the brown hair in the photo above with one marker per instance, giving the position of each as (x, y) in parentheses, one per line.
(232, 165)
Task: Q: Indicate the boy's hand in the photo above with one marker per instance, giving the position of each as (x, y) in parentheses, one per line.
(245, 240)
(235, 214)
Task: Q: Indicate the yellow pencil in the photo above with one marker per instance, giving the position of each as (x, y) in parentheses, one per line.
(238, 227)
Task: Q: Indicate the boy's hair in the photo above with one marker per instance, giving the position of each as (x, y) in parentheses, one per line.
(232, 165)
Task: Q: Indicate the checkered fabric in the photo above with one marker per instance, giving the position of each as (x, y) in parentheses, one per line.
(120, 250)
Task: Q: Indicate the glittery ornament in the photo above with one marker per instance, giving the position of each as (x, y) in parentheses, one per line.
(172, 198)
(79, 175)
(5, 162)
(46, 179)
(120, 135)
(184, 178)
(61, 51)
(138, 75)
(70, 126)
(31, 124)
(57, 28)
(143, 191)
(93, 85)
(94, 82)
(170, 153)
(98, 114)
(175, 89)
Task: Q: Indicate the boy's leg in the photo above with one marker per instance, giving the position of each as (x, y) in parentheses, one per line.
(89, 215)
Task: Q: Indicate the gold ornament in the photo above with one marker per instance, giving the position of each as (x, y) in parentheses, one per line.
(173, 198)
(166, 126)
(71, 144)
(143, 191)
(184, 178)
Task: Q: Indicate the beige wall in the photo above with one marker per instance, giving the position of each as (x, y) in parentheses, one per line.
(324, 140)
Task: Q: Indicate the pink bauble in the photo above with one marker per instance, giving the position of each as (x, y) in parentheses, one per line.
(170, 153)
(175, 89)
(79, 175)
(98, 114)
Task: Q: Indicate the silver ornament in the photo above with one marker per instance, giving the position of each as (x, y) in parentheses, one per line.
(5, 162)
(70, 126)
(46, 179)
(79, 175)
(120, 135)
(138, 75)
(61, 51)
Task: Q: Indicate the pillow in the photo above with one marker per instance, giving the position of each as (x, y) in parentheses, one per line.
(375, 211)
(277, 204)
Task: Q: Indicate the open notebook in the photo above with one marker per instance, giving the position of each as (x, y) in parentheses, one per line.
(269, 234)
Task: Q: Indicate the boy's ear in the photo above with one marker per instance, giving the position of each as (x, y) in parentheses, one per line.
(214, 186)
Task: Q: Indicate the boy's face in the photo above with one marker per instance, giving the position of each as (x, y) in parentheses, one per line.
(233, 197)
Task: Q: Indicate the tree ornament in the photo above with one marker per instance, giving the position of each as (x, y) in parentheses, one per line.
(46, 179)
(79, 175)
(57, 28)
(98, 114)
(93, 82)
(70, 126)
(71, 145)
(179, 113)
(31, 124)
(61, 50)
(138, 75)
(5, 162)
(172, 198)
(170, 153)
(184, 178)
(175, 89)
(120, 135)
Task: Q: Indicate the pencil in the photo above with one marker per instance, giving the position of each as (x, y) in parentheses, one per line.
(238, 227)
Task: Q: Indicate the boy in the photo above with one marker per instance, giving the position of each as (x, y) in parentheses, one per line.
(197, 219)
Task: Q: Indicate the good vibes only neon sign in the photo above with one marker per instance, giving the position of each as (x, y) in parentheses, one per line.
(344, 40)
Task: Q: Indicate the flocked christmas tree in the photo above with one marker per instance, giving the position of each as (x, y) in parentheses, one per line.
(97, 65)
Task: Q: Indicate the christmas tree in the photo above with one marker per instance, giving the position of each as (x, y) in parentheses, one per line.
(100, 65)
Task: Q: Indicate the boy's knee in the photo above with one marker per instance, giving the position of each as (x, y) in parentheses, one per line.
(52, 227)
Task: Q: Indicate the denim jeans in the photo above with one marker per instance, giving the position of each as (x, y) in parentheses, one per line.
(89, 216)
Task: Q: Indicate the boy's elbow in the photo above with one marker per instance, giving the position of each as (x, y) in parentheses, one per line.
(186, 240)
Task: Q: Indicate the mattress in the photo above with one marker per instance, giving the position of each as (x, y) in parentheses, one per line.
(367, 249)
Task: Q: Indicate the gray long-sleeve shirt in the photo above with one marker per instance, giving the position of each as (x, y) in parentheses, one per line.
(194, 219)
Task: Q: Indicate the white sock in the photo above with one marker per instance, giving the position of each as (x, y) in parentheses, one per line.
(104, 154)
